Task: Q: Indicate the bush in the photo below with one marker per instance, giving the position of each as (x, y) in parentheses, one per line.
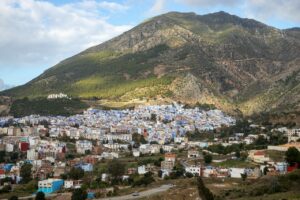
(207, 158)
(146, 180)
(292, 155)
(79, 194)
(25, 172)
(204, 192)
(40, 196)
(189, 175)
(76, 173)
(13, 198)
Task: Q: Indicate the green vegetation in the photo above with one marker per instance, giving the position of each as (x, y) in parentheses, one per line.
(220, 149)
(138, 139)
(21, 190)
(43, 106)
(116, 169)
(292, 156)
(79, 194)
(202, 106)
(207, 158)
(145, 180)
(13, 198)
(235, 163)
(267, 187)
(76, 173)
(203, 191)
(40, 196)
(25, 172)
(112, 87)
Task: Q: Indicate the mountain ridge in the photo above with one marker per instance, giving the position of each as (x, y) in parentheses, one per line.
(218, 58)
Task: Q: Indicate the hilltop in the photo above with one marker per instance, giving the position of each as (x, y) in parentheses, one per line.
(234, 63)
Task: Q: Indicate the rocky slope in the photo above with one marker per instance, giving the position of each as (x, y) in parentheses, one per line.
(217, 58)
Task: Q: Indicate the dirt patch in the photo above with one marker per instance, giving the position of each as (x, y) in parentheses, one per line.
(127, 76)
(160, 70)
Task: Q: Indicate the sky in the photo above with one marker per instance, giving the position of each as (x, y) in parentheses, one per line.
(37, 34)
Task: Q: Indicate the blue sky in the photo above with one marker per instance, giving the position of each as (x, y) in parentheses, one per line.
(36, 35)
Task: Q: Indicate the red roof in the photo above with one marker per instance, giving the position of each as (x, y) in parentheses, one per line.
(259, 153)
(170, 155)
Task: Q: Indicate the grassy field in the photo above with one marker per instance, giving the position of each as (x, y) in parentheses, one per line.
(234, 163)
(43, 106)
(277, 156)
(184, 189)
(293, 195)
(266, 187)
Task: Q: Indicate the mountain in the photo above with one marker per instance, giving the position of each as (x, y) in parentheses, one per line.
(221, 59)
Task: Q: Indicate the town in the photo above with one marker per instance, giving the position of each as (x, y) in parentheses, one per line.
(107, 153)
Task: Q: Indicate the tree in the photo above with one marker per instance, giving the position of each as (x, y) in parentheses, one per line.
(146, 180)
(13, 198)
(153, 117)
(204, 192)
(116, 168)
(266, 170)
(261, 141)
(40, 196)
(25, 172)
(238, 154)
(161, 150)
(2, 156)
(79, 194)
(292, 155)
(160, 173)
(189, 175)
(138, 139)
(244, 176)
(207, 158)
(179, 170)
(76, 173)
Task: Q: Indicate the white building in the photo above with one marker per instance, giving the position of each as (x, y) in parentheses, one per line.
(72, 184)
(32, 154)
(193, 154)
(136, 153)
(142, 169)
(293, 135)
(236, 172)
(57, 96)
(9, 147)
(196, 170)
(82, 146)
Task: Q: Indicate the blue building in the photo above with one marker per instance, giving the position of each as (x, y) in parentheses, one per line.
(7, 167)
(50, 185)
(91, 195)
(87, 167)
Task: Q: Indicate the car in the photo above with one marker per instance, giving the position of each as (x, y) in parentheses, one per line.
(135, 194)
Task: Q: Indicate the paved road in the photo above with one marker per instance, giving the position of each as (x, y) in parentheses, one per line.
(146, 193)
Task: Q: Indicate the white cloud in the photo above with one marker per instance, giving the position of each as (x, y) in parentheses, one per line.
(264, 10)
(285, 10)
(157, 8)
(37, 33)
(4, 86)
(208, 3)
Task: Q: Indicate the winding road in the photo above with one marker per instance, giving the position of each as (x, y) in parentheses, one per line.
(146, 193)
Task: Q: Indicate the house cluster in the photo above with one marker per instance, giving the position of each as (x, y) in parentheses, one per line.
(58, 96)
(239, 138)
(161, 124)
(293, 136)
